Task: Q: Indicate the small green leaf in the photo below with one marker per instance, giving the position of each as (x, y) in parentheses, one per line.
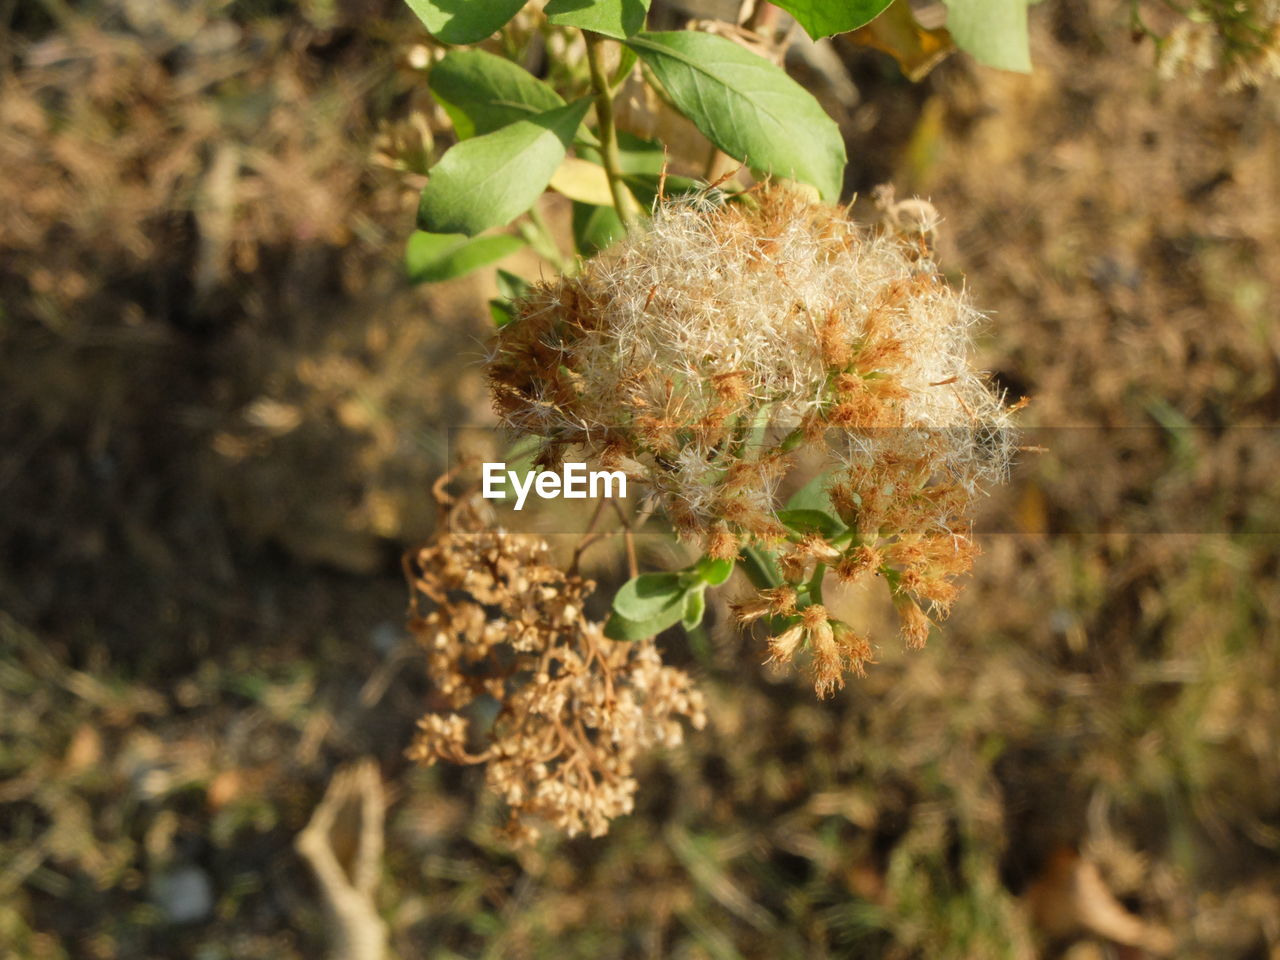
(595, 228)
(464, 21)
(813, 495)
(432, 257)
(746, 106)
(825, 18)
(811, 521)
(714, 572)
(511, 286)
(613, 18)
(500, 312)
(761, 567)
(490, 180)
(695, 606)
(993, 32)
(620, 628)
(482, 93)
(649, 596)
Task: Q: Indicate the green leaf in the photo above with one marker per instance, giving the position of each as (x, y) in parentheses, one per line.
(649, 596)
(714, 572)
(512, 286)
(432, 257)
(813, 495)
(761, 567)
(595, 228)
(464, 21)
(824, 18)
(620, 628)
(695, 607)
(500, 312)
(811, 521)
(993, 32)
(613, 18)
(746, 106)
(490, 180)
(482, 93)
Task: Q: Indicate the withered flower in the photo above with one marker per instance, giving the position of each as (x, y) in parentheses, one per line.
(574, 709)
(706, 351)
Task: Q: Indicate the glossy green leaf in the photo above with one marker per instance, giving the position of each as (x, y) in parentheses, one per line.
(714, 572)
(613, 18)
(649, 596)
(824, 18)
(490, 180)
(482, 93)
(432, 257)
(993, 32)
(746, 106)
(464, 21)
(695, 607)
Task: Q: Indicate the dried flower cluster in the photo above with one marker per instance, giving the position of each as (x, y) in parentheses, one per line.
(1236, 41)
(574, 709)
(704, 353)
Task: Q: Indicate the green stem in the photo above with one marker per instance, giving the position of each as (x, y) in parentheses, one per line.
(815, 583)
(537, 233)
(623, 201)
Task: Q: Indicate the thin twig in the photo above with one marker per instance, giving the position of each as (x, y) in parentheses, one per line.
(589, 536)
(628, 537)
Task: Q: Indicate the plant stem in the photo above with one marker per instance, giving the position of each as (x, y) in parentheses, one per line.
(623, 201)
(815, 583)
(537, 234)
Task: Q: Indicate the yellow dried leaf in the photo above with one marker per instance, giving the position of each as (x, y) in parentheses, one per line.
(583, 181)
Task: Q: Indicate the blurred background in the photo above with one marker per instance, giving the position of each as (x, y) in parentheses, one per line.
(222, 406)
